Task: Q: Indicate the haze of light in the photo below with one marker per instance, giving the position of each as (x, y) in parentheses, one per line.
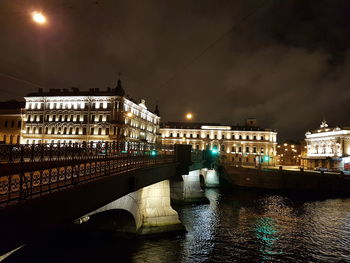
(38, 18)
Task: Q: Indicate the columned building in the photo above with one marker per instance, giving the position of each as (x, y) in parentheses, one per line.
(63, 115)
(328, 148)
(246, 145)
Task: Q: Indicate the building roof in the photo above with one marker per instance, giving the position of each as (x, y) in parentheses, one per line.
(199, 125)
(325, 130)
(11, 105)
(74, 91)
(119, 89)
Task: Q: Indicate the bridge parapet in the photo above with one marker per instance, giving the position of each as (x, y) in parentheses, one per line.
(28, 171)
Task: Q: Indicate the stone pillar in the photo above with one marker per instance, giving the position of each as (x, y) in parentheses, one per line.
(211, 178)
(188, 189)
(157, 214)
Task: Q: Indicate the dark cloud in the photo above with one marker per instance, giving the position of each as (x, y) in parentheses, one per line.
(284, 62)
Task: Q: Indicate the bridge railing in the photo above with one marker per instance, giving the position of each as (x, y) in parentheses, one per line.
(14, 153)
(28, 171)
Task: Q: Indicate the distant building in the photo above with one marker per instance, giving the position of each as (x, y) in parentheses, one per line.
(10, 121)
(328, 148)
(289, 153)
(247, 145)
(63, 115)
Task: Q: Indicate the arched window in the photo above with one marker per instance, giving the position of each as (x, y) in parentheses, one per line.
(222, 148)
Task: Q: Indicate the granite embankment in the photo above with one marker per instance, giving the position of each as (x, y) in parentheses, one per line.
(331, 183)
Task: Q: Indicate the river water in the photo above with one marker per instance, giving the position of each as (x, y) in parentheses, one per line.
(237, 226)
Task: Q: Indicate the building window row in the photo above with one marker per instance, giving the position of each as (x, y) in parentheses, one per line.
(215, 136)
(68, 130)
(233, 149)
(68, 118)
(11, 139)
(67, 105)
(11, 124)
(138, 113)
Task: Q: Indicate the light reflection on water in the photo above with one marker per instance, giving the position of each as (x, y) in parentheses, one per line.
(250, 226)
(237, 226)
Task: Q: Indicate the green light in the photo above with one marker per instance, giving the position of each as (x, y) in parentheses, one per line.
(266, 158)
(214, 151)
(153, 153)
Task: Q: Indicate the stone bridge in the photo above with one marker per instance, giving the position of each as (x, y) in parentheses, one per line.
(108, 186)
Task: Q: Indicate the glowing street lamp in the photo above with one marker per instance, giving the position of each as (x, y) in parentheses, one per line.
(189, 116)
(38, 18)
(214, 151)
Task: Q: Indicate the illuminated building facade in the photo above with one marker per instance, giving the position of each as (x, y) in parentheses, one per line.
(83, 116)
(289, 153)
(328, 148)
(10, 121)
(246, 145)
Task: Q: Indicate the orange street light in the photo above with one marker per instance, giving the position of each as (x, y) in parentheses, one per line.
(189, 116)
(38, 17)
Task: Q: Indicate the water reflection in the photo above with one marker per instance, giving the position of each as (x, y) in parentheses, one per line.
(237, 226)
(201, 222)
(266, 233)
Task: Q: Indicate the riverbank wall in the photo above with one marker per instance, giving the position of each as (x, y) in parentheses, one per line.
(271, 179)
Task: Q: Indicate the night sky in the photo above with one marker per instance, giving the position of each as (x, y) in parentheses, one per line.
(287, 63)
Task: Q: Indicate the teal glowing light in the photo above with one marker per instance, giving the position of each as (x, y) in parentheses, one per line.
(214, 151)
(266, 158)
(153, 153)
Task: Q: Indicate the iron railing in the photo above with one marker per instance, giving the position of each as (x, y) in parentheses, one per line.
(30, 170)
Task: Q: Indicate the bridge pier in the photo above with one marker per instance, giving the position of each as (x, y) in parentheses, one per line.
(146, 211)
(211, 178)
(187, 188)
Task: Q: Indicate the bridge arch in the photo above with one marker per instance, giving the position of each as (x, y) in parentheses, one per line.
(127, 203)
(149, 208)
(211, 177)
(118, 220)
(202, 180)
